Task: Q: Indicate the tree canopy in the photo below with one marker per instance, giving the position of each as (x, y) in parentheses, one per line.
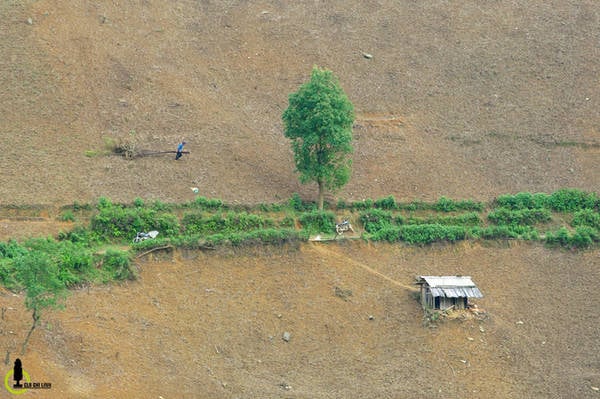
(43, 287)
(318, 121)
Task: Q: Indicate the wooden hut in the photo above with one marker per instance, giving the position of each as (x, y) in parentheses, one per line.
(444, 292)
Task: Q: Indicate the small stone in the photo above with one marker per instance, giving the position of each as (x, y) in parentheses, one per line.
(285, 386)
(470, 338)
(368, 56)
(371, 317)
(481, 329)
(595, 389)
(519, 322)
(29, 21)
(287, 336)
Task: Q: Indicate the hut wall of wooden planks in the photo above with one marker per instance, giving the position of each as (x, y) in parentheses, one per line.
(444, 292)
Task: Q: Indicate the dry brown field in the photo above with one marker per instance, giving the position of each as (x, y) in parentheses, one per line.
(465, 99)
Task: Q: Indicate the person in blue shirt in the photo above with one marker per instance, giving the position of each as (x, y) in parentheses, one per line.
(179, 150)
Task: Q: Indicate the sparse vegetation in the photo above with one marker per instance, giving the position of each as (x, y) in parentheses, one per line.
(211, 222)
(46, 267)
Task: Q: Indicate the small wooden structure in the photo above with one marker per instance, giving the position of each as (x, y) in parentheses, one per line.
(444, 292)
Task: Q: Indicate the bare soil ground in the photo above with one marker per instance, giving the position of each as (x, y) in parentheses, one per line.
(465, 100)
(210, 325)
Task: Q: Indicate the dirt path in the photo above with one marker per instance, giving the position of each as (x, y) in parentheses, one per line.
(332, 251)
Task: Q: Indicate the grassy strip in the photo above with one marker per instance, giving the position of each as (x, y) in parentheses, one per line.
(92, 252)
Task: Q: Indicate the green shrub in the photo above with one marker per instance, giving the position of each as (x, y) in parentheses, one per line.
(11, 250)
(191, 223)
(465, 219)
(8, 276)
(428, 233)
(274, 236)
(388, 203)
(79, 234)
(166, 224)
(414, 206)
(160, 206)
(81, 207)
(364, 204)
(447, 205)
(297, 204)
(118, 264)
(119, 222)
(204, 203)
(288, 222)
(586, 217)
(270, 207)
(67, 216)
(247, 222)
(266, 237)
(74, 261)
(400, 220)
(231, 222)
(116, 222)
(503, 232)
(104, 203)
(341, 204)
(375, 219)
(215, 239)
(317, 221)
(520, 217)
(421, 234)
(582, 237)
(523, 200)
(569, 200)
(560, 237)
(182, 241)
(469, 205)
(138, 202)
(389, 234)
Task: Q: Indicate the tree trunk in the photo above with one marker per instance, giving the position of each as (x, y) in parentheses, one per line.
(321, 193)
(36, 318)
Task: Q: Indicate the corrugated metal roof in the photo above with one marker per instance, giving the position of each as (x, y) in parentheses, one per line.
(452, 286)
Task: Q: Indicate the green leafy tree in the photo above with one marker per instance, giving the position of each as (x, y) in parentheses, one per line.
(43, 287)
(318, 121)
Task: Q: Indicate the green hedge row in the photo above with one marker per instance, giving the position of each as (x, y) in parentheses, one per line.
(430, 233)
(524, 216)
(564, 200)
(389, 203)
(231, 222)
